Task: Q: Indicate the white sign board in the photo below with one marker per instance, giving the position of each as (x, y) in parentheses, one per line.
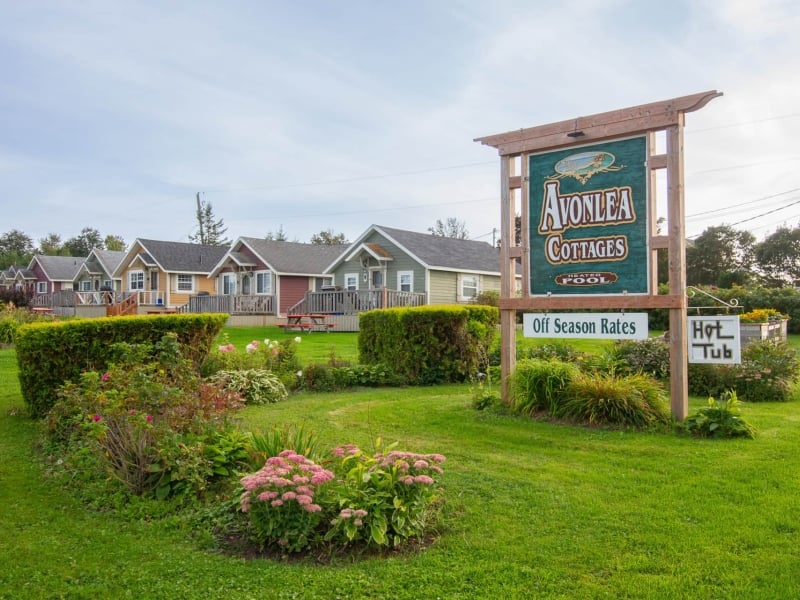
(714, 340)
(599, 326)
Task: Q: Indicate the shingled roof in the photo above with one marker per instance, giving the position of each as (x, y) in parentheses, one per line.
(438, 252)
(288, 258)
(182, 257)
(58, 268)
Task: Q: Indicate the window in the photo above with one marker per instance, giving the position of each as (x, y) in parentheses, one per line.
(136, 280)
(41, 287)
(263, 282)
(469, 286)
(185, 283)
(228, 283)
(351, 281)
(86, 286)
(108, 284)
(405, 281)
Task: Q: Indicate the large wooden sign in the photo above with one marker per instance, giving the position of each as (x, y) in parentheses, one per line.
(583, 192)
(589, 219)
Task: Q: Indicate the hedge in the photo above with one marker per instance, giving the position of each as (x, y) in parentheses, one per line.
(51, 353)
(428, 344)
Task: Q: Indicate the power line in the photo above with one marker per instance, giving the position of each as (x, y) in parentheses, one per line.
(352, 179)
(727, 208)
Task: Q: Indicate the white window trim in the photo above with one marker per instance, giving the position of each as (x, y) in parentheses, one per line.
(400, 275)
(234, 284)
(268, 275)
(178, 287)
(41, 287)
(349, 275)
(477, 287)
(130, 280)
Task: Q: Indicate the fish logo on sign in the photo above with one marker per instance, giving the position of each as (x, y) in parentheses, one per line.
(583, 165)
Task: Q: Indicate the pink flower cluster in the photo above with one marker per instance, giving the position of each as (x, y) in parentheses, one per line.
(412, 463)
(288, 477)
(227, 348)
(252, 347)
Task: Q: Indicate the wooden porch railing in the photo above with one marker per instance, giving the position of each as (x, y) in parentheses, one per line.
(350, 302)
(232, 304)
(119, 305)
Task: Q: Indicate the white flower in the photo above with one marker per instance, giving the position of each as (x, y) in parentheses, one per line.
(299, 373)
(266, 341)
(298, 339)
(250, 348)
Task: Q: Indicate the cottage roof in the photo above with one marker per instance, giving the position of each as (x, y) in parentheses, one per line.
(180, 257)
(284, 258)
(437, 252)
(58, 268)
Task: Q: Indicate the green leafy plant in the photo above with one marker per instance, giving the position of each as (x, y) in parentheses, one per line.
(538, 385)
(719, 419)
(149, 420)
(606, 399)
(385, 499)
(255, 386)
(483, 396)
(262, 446)
(378, 501)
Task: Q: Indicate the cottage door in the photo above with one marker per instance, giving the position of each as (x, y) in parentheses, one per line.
(246, 285)
(377, 279)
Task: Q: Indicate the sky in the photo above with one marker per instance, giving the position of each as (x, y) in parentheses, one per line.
(302, 117)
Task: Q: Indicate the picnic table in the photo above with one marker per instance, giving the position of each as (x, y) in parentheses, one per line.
(307, 322)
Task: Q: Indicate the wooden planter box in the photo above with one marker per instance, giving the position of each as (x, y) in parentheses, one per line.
(772, 330)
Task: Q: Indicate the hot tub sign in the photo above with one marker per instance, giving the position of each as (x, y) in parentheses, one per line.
(588, 211)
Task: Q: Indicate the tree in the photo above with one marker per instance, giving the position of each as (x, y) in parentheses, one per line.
(720, 254)
(778, 256)
(210, 230)
(16, 248)
(52, 245)
(82, 244)
(280, 236)
(452, 228)
(328, 238)
(115, 242)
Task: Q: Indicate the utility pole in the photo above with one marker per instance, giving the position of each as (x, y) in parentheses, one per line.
(200, 219)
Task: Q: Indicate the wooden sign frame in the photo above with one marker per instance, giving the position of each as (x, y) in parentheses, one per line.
(514, 148)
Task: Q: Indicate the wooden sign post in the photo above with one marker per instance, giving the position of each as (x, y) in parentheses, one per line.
(583, 185)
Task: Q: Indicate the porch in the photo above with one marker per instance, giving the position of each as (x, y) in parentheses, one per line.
(352, 302)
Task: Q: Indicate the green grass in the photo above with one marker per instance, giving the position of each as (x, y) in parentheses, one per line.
(314, 346)
(534, 510)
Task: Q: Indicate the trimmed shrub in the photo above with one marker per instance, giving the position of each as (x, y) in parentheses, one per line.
(428, 344)
(50, 354)
(605, 399)
(538, 385)
(649, 356)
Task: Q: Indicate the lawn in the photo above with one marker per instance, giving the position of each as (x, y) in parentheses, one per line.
(534, 510)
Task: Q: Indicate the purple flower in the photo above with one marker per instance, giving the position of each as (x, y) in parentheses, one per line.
(97, 418)
(104, 377)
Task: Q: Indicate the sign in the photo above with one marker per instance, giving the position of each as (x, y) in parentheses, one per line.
(588, 219)
(601, 326)
(714, 340)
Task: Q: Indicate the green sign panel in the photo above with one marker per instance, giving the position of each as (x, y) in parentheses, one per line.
(588, 219)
